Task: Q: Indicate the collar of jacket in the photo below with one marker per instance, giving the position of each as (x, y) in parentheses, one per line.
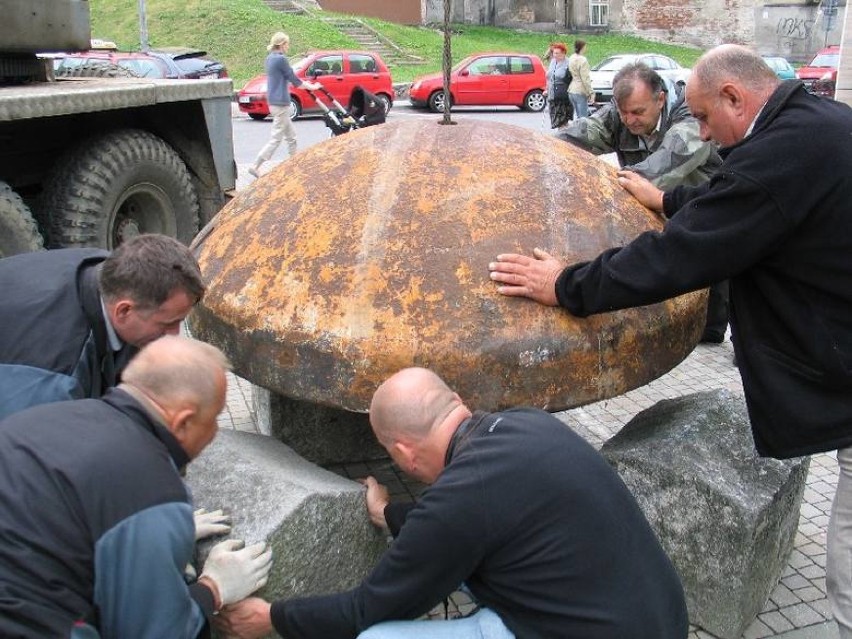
(125, 403)
(90, 300)
(464, 433)
(776, 102)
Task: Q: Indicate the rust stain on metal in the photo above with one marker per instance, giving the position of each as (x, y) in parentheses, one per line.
(369, 253)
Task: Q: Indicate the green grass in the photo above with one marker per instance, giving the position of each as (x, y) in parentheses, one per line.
(237, 32)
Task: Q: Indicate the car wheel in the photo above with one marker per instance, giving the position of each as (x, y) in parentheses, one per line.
(534, 101)
(295, 108)
(258, 116)
(18, 230)
(436, 102)
(116, 186)
(386, 102)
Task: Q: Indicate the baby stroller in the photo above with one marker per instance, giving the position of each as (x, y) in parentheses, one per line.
(365, 109)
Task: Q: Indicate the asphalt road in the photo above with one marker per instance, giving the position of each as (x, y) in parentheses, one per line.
(250, 135)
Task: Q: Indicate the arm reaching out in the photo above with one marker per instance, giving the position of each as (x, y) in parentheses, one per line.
(377, 498)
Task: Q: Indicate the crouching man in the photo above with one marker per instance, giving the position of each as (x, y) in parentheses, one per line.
(96, 525)
(520, 509)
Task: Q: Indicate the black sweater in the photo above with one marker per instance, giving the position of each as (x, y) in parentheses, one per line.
(537, 525)
(776, 220)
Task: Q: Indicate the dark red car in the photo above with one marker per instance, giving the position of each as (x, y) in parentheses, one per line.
(338, 71)
(820, 75)
(513, 79)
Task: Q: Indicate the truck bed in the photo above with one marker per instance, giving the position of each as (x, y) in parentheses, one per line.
(68, 96)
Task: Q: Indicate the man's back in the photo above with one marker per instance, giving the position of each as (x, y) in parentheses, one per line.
(90, 510)
(561, 547)
(47, 349)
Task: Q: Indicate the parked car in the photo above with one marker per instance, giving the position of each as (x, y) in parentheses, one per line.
(338, 71)
(782, 68)
(193, 63)
(161, 64)
(604, 71)
(486, 79)
(820, 74)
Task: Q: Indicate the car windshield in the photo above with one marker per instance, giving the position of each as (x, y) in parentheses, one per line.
(611, 64)
(826, 60)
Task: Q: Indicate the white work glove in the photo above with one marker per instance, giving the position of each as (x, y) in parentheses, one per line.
(210, 524)
(237, 571)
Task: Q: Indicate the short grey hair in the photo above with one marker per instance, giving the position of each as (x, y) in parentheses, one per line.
(732, 62)
(624, 81)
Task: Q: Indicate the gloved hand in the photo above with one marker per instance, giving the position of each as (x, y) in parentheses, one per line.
(210, 524)
(237, 571)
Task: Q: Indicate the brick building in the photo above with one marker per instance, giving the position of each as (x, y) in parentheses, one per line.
(793, 28)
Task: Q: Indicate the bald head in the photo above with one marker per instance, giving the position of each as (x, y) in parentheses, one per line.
(183, 381)
(734, 63)
(173, 370)
(727, 89)
(411, 403)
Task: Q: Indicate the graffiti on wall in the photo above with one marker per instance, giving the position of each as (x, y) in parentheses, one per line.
(795, 28)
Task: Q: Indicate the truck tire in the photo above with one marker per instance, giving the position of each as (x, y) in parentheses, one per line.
(18, 230)
(95, 70)
(118, 185)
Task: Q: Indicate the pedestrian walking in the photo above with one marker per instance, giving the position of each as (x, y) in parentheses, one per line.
(279, 77)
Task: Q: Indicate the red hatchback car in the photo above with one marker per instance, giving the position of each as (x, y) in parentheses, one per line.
(514, 79)
(338, 71)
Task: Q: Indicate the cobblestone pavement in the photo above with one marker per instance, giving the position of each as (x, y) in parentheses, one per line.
(797, 607)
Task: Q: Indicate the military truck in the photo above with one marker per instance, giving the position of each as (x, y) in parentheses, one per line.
(93, 161)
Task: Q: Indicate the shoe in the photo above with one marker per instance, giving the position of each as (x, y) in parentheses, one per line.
(253, 172)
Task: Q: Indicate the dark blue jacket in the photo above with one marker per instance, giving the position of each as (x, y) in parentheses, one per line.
(775, 220)
(539, 527)
(53, 340)
(95, 524)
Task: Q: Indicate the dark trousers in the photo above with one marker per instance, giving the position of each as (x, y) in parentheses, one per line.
(717, 313)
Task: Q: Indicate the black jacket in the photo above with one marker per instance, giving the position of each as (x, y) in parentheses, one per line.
(776, 220)
(53, 339)
(537, 525)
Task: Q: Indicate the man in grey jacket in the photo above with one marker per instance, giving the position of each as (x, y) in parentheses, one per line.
(650, 129)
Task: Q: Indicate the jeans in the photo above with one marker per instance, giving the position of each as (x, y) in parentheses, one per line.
(581, 105)
(484, 624)
(839, 551)
(282, 129)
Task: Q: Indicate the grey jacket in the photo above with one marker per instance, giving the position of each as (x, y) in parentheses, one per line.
(678, 155)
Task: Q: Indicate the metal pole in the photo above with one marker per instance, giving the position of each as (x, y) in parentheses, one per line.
(447, 64)
(143, 27)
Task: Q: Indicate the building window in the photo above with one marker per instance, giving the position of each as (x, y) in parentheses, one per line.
(598, 13)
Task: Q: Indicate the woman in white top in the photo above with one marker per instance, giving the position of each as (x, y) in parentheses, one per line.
(580, 90)
(557, 86)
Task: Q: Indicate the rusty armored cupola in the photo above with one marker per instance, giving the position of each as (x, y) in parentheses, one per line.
(369, 253)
